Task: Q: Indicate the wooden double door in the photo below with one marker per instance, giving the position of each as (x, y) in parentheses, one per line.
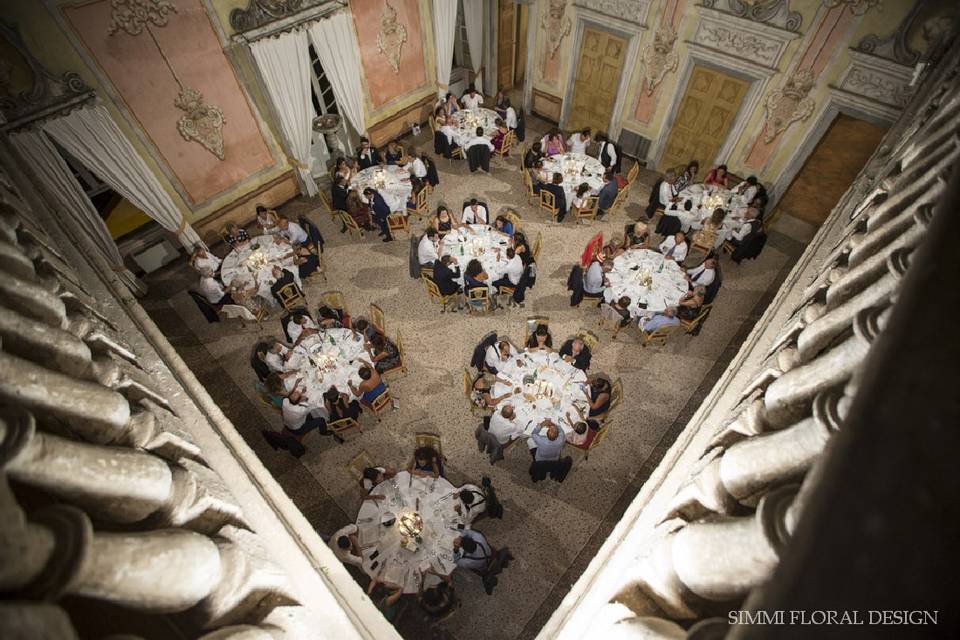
(511, 43)
(707, 112)
(596, 81)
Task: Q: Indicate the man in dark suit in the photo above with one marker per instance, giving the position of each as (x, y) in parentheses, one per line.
(607, 194)
(338, 193)
(445, 274)
(283, 278)
(368, 156)
(379, 210)
(560, 196)
(576, 353)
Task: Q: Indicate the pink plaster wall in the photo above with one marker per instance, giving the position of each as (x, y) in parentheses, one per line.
(647, 103)
(383, 84)
(139, 75)
(550, 67)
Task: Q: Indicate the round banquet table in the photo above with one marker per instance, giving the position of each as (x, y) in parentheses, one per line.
(383, 548)
(667, 285)
(469, 119)
(254, 262)
(576, 168)
(327, 359)
(550, 387)
(391, 181)
(715, 196)
(479, 241)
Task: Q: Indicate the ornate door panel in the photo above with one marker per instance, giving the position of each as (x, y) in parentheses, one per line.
(596, 80)
(506, 45)
(706, 113)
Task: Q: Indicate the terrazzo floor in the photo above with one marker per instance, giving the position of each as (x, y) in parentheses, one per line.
(552, 529)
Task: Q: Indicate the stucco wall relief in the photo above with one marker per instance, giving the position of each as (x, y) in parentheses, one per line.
(659, 58)
(391, 37)
(556, 23)
(791, 103)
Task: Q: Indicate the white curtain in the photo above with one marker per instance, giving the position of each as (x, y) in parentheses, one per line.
(473, 19)
(42, 156)
(284, 64)
(91, 136)
(336, 45)
(444, 30)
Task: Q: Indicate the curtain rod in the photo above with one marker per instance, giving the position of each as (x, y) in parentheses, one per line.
(48, 111)
(290, 23)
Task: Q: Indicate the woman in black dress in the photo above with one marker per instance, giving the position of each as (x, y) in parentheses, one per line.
(540, 339)
(339, 406)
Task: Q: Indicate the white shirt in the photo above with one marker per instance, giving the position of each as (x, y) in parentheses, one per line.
(295, 233)
(449, 132)
(611, 151)
(702, 276)
(427, 251)
(514, 270)
(749, 193)
(511, 118)
(345, 555)
(593, 281)
(210, 262)
(577, 144)
(740, 233)
(295, 329)
(211, 289)
(471, 102)
(667, 194)
(493, 359)
(275, 360)
(294, 415)
(679, 253)
(480, 216)
(417, 168)
(480, 140)
(504, 430)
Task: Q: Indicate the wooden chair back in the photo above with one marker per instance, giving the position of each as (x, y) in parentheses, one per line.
(427, 439)
(704, 240)
(609, 319)
(378, 319)
(397, 222)
(422, 208)
(335, 300)
(352, 227)
(532, 323)
(589, 209)
(621, 198)
(528, 183)
(616, 395)
(514, 219)
(692, 324)
(468, 384)
(535, 252)
(633, 173)
(507, 144)
(478, 299)
(589, 338)
(291, 296)
(325, 199)
(659, 337)
(401, 366)
(360, 463)
(380, 404)
(427, 272)
(343, 425)
(548, 203)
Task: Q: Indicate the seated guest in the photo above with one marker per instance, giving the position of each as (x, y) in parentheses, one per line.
(448, 127)
(540, 339)
(503, 225)
(380, 210)
(345, 546)
(612, 249)
(718, 177)
(599, 397)
(367, 155)
(667, 318)
(386, 355)
(416, 186)
(204, 261)
(363, 326)
(688, 307)
(533, 154)
(504, 426)
(668, 198)
(497, 354)
(714, 223)
(479, 139)
(749, 225)
(593, 278)
(385, 596)
(299, 418)
(393, 153)
(577, 142)
(499, 134)
(443, 222)
(293, 232)
(638, 237)
(606, 152)
(258, 360)
(450, 105)
(372, 476)
(704, 274)
(339, 193)
(547, 446)
(345, 169)
(475, 213)
(427, 249)
(580, 197)
(445, 275)
(577, 353)
(282, 277)
(418, 165)
(747, 189)
(472, 551)
(471, 99)
(622, 309)
(236, 235)
(339, 406)
(500, 102)
(675, 247)
(474, 277)
(686, 178)
(482, 394)
(426, 463)
(584, 431)
(438, 600)
(522, 247)
(267, 219)
(359, 211)
(607, 195)
(552, 143)
(211, 289)
(537, 175)
(510, 115)
(513, 273)
(559, 195)
(300, 326)
(371, 385)
(329, 318)
(472, 501)
(277, 356)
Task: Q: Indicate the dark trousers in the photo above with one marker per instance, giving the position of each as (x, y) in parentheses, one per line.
(519, 290)
(309, 266)
(381, 222)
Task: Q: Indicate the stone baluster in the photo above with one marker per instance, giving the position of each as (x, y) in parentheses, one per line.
(123, 377)
(32, 300)
(25, 620)
(50, 346)
(15, 262)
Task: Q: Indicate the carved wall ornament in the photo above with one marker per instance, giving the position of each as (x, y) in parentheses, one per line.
(200, 122)
(132, 16)
(391, 37)
(857, 7)
(261, 12)
(744, 44)
(557, 25)
(789, 104)
(659, 58)
(773, 12)
(627, 10)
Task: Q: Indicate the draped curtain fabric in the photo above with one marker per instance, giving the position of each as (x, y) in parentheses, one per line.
(336, 45)
(42, 156)
(473, 19)
(284, 64)
(444, 30)
(91, 136)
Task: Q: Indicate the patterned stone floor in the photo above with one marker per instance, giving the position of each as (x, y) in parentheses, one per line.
(553, 530)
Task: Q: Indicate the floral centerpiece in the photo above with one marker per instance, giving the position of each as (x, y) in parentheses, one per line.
(410, 526)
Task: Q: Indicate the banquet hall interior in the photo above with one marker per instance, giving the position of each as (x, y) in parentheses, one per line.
(478, 319)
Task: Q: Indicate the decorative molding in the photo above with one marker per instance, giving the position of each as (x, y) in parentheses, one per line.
(857, 7)
(556, 24)
(776, 13)
(747, 45)
(634, 11)
(391, 37)
(200, 122)
(791, 103)
(659, 58)
(896, 45)
(262, 12)
(727, 34)
(50, 94)
(132, 16)
(877, 79)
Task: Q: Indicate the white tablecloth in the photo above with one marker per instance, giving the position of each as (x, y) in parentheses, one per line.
(576, 169)
(550, 387)
(481, 242)
(330, 358)
(667, 286)
(433, 500)
(469, 119)
(254, 261)
(391, 181)
(733, 204)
